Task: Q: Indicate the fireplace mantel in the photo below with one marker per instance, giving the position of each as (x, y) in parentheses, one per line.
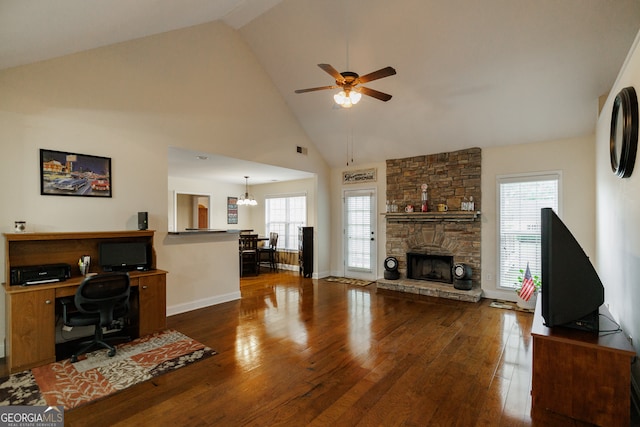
(455, 216)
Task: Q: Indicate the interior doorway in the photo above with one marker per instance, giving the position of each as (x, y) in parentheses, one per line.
(203, 216)
(360, 234)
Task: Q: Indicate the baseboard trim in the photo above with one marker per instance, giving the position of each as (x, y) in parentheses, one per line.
(501, 295)
(202, 303)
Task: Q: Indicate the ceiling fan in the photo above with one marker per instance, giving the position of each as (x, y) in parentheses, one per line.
(349, 81)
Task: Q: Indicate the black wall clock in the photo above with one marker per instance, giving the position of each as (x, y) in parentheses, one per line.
(623, 141)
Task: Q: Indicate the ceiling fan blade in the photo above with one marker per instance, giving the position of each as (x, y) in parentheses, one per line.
(333, 72)
(313, 89)
(383, 72)
(374, 93)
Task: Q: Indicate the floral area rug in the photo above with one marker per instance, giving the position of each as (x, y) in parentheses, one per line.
(356, 282)
(96, 375)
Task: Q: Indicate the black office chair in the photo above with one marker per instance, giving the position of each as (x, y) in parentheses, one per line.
(267, 254)
(100, 301)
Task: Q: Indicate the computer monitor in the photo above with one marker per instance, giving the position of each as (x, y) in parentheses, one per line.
(124, 256)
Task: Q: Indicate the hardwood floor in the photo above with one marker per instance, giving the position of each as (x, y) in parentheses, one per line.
(297, 351)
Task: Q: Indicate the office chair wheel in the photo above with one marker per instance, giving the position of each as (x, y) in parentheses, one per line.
(74, 358)
(111, 352)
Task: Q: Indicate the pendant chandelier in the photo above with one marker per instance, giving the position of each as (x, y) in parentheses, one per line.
(246, 199)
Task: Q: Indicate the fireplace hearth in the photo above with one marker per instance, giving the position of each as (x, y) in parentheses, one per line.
(433, 268)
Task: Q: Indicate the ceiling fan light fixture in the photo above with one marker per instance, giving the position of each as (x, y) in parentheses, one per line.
(347, 99)
(350, 83)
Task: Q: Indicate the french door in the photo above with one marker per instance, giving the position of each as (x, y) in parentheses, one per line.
(360, 234)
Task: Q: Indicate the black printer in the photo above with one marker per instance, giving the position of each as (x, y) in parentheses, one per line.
(38, 274)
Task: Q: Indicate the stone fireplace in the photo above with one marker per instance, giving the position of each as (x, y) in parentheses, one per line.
(455, 235)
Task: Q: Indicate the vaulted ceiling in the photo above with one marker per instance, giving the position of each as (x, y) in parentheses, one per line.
(469, 73)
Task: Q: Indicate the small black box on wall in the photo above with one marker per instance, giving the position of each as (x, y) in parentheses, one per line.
(143, 220)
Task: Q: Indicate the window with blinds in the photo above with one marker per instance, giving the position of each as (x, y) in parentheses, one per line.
(284, 215)
(520, 199)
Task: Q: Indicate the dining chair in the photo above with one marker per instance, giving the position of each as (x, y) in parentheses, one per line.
(268, 254)
(249, 254)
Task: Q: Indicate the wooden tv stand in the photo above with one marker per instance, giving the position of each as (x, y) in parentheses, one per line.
(31, 310)
(580, 374)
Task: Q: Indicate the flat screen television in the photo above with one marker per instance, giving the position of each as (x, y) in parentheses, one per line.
(124, 256)
(572, 292)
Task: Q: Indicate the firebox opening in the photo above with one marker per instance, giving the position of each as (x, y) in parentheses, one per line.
(434, 268)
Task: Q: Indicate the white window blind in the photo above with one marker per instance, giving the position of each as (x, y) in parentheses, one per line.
(520, 200)
(284, 215)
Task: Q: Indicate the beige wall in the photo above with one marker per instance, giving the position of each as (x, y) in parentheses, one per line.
(618, 218)
(260, 192)
(337, 219)
(218, 192)
(199, 88)
(574, 158)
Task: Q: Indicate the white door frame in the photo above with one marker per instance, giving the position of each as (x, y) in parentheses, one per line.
(354, 272)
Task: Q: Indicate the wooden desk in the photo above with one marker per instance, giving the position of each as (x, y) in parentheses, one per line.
(580, 374)
(31, 310)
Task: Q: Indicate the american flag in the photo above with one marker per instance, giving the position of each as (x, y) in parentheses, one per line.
(527, 285)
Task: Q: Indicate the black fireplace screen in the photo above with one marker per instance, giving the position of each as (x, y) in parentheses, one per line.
(434, 268)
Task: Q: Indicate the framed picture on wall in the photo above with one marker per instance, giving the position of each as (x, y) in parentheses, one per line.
(232, 210)
(356, 177)
(72, 174)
